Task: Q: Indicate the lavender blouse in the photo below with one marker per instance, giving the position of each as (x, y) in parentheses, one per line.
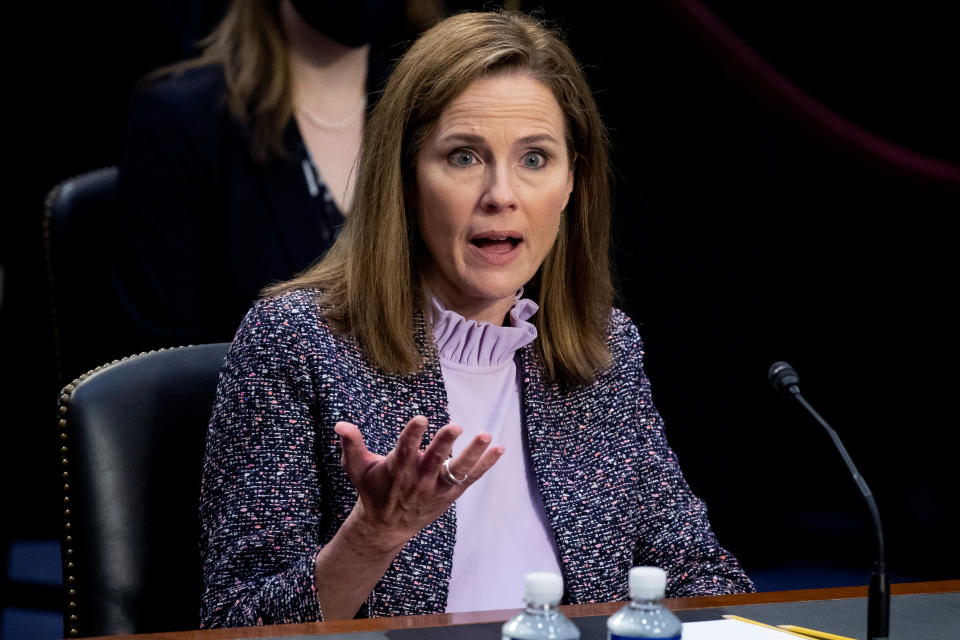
(502, 531)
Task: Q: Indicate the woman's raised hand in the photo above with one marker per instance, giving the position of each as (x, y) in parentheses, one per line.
(409, 488)
(400, 494)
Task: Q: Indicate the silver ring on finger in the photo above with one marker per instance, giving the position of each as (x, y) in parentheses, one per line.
(448, 476)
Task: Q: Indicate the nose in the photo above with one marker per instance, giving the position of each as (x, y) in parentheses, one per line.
(498, 192)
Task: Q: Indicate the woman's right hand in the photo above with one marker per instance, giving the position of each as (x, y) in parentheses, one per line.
(407, 489)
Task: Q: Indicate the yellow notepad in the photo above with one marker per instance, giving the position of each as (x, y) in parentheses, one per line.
(739, 628)
(813, 633)
(731, 629)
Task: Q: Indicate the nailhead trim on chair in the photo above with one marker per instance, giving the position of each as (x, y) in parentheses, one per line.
(68, 560)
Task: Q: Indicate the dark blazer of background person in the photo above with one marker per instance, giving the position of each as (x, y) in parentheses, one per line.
(203, 225)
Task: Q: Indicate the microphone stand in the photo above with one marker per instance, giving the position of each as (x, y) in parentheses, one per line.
(785, 380)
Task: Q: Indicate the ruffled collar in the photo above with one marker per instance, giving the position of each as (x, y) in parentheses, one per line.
(481, 344)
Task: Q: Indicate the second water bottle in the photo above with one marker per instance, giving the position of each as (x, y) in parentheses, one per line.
(645, 616)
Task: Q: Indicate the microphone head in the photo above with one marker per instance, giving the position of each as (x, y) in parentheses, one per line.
(784, 379)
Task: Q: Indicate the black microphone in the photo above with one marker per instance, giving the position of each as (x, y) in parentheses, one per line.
(785, 380)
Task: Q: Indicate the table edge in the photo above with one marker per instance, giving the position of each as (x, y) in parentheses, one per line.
(572, 611)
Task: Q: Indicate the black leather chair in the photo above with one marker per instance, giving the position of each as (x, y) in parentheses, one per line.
(132, 437)
(79, 237)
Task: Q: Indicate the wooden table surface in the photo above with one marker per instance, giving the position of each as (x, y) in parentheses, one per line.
(571, 611)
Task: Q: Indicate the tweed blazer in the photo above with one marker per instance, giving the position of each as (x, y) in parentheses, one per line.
(274, 492)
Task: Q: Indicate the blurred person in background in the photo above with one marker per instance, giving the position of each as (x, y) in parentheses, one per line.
(239, 164)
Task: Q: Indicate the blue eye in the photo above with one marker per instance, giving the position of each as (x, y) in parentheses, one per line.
(534, 160)
(462, 158)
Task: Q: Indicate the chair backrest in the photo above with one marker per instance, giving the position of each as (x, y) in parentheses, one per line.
(79, 236)
(132, 436)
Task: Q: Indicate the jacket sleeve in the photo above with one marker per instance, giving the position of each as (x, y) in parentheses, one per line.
(675, 533)
(260, 505)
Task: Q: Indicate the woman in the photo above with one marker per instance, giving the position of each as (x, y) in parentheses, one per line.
(335, 482)
(238, 164)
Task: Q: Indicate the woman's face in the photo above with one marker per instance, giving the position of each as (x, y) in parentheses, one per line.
(492, 180)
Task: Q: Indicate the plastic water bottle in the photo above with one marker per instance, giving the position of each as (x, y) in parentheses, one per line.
(645, 616)
(541, 620)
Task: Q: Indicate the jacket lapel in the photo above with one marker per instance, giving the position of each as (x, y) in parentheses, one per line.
(547, 454)
(574, 456)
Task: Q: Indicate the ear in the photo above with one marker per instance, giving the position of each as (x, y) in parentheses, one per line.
(569, 187)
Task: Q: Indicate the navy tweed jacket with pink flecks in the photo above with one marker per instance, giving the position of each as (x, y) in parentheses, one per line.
(274, 492)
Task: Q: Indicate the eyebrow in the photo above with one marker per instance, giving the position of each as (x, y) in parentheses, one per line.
(470, 138)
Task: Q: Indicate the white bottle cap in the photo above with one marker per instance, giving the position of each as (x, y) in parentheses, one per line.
(542, 587)
(647, 583)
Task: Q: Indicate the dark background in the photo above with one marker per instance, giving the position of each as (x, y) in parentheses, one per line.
(743, 234)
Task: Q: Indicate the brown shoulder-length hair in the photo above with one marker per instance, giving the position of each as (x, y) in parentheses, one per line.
(370, 280)
(251, 46)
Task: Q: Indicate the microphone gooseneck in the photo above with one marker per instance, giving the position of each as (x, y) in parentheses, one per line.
(786, 381)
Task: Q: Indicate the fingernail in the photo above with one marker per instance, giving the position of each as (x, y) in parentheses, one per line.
(484, 438)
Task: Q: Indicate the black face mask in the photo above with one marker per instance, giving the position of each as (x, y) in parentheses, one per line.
(352, 23)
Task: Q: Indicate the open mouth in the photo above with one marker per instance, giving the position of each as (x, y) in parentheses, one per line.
(497, 242)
